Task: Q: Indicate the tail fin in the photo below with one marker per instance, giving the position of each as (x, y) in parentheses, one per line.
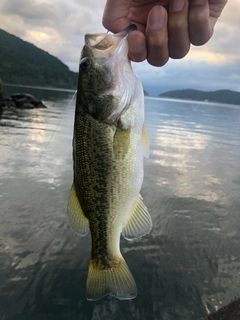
(118, 282)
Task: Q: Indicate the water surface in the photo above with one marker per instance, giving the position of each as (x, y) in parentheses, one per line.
(188, 266)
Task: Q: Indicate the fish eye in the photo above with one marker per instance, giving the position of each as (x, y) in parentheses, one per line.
(85, 64)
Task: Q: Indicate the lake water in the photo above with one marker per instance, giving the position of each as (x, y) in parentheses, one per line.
(187, 267)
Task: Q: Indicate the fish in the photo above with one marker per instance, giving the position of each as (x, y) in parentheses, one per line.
(109, 144)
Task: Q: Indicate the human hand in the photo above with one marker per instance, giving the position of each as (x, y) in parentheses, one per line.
(166, 28)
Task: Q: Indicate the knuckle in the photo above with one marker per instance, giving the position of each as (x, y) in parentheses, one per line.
(157, 48)
(157, 42)
(197, 16)
(176, 25)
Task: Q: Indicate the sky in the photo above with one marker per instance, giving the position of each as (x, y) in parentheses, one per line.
(58, 27)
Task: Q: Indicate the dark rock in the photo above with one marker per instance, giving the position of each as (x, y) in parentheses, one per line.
(21, 98)
(2, 103)
(33, 100)
(40, 106)
(10, 103)
(27, 105)
(7, 103)
(24, 100)
(8, 98)
(21, 101)
(2, 100)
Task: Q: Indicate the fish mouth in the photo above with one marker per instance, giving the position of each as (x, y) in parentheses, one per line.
(110, 52)
(103, 44)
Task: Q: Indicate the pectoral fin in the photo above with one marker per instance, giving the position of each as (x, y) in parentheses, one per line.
(78, 221)
(139, 222)
(145, 143)
(121, 142)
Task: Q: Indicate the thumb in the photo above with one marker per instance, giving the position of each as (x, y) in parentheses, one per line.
(115, 15)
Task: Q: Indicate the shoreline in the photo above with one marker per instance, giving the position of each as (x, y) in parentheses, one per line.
(38, 87)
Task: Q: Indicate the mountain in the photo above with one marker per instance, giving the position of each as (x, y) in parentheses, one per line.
(221, 96)
(23, 63)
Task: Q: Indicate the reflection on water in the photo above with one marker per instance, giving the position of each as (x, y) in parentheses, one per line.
(187, 267)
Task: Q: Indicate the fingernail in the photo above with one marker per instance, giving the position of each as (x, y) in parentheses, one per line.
(157, 17)
(177, 5)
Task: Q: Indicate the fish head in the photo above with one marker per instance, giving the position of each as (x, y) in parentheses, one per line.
(106, 79)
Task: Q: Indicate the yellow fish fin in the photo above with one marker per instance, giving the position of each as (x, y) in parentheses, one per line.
(145, 143)
(121, 142)
(139, 222)
(77, 220)
(116, 281)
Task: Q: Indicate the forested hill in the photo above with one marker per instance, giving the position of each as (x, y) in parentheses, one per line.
(222, 96)
(24, 64)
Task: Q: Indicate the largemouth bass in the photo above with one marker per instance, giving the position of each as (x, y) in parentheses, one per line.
(109, 143)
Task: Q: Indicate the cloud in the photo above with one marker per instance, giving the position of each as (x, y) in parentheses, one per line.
(58, 27)
(189, 73)
(31, 11)
(213, 66)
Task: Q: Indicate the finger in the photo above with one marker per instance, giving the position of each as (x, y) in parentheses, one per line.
(216, 8)
(137, 46)
(157, 37)
(115, 16)
(178, 38)
(200, 27)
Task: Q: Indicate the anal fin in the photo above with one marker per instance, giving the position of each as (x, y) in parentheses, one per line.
(139, 222)
(77, 220)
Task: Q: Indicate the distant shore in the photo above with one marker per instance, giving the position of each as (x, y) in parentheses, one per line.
(219, 96)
